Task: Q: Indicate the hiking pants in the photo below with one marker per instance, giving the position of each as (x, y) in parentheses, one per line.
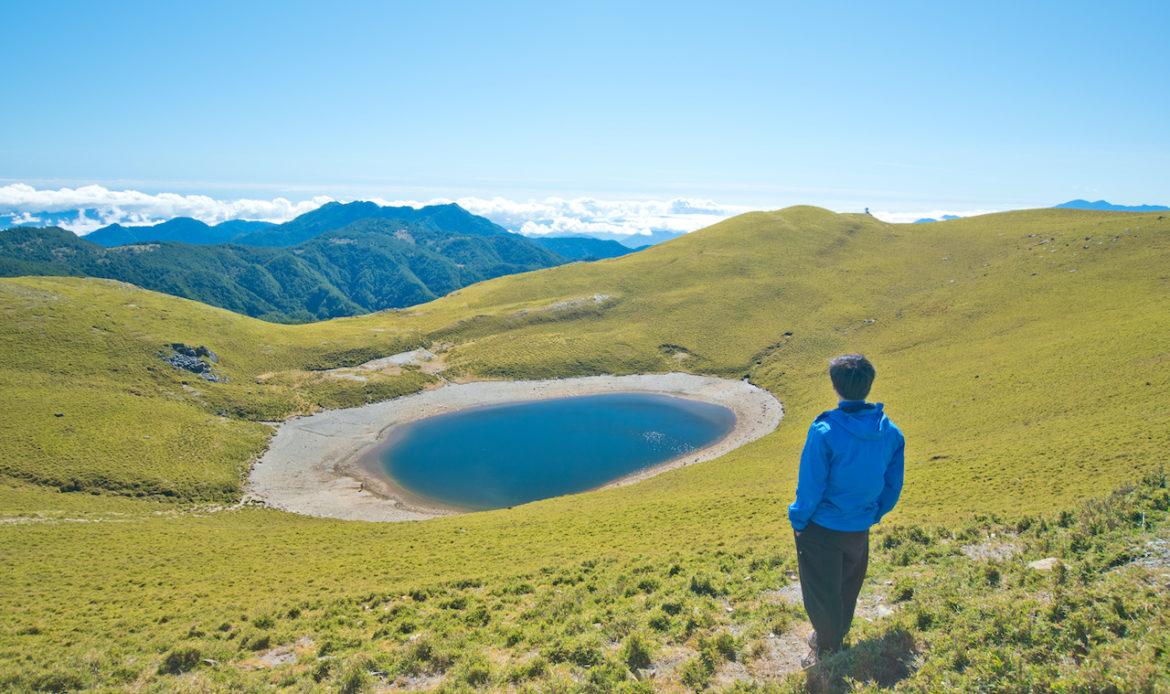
(832, 567)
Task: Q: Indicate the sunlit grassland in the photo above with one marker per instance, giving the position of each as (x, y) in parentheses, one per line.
(1026, 356)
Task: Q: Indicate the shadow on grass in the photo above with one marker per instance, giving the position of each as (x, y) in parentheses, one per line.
(883, 661)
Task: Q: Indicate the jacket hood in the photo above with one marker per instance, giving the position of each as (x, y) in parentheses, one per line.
(865, 421)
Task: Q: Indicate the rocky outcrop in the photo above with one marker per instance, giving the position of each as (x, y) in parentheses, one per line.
(197, 360)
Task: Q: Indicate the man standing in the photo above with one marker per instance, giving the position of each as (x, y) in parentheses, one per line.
(850, 476)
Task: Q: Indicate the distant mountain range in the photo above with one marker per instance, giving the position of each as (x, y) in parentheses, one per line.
(440, 218)
(944, 218)
(637, 241)
(584, 247)
(182, 229)
(338, 260)
(188, 230)
(1109, 207)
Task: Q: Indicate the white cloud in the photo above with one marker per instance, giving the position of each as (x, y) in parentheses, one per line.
(906, 217)
(551, 215)
(106, 206)
(562, 216)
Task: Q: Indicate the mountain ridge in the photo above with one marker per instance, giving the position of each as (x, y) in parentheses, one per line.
(378, 258)
(1106, 206)
(368, 265)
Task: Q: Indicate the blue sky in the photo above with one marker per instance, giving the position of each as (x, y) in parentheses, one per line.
(898, 106)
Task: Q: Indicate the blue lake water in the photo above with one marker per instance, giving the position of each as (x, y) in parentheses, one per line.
(503, 455)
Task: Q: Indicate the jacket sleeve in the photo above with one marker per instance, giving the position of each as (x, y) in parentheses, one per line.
(812, 478)
(893, 487)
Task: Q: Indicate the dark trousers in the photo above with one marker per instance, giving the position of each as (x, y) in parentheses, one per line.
(832, 567)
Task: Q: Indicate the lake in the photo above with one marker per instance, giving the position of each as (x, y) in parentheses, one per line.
(503, 455)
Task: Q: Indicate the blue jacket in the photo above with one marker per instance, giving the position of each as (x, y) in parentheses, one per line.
(850, 470)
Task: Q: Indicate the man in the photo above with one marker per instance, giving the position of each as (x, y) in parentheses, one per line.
(850, 476)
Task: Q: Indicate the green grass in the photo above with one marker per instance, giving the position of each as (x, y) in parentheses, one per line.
(1027, 376)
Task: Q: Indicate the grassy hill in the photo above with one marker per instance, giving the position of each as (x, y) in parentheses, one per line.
(1024, 354)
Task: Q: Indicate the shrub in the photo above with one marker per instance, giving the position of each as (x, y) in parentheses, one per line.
(354, 678)
(179, 660)
(604, 678)
(57, 681)
(256, 641)
(659, 621)
(701, 585)
(724, 645)
(903, 589)
(532, 669)
(474, 671)
(636, 652)
(695, 673)
(321, 670)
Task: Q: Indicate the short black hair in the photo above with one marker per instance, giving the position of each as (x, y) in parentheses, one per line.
(852, 376)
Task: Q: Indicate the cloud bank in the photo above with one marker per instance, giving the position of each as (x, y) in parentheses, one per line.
(907, 217)
(87, 208)
(90, 207)
(582, 216)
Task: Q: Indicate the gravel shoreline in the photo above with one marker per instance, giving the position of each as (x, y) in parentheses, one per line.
(314, 464)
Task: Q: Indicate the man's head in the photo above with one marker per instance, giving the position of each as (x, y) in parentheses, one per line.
(852, 375)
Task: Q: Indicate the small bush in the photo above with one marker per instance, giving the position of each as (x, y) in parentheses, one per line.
(321, 670)
(701, 585)
(256, 641)
(57, 681)
(992, 576)
(354, 679)
(475, 671)
(636, 652)
(604, 678)
(530, 670)
(903, 589)
(695, 674)
(179, 660)
(724, 645)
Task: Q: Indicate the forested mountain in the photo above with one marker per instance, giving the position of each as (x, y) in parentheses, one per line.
(369, 265)
(447, 219)
(182, 229)
(450, 218)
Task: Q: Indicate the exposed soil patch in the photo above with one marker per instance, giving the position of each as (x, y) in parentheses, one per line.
(281, 655)
(991, 550)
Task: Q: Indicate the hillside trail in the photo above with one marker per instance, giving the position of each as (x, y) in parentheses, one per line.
(195, 511)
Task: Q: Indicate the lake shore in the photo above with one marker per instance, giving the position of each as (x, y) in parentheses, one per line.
(319, 465)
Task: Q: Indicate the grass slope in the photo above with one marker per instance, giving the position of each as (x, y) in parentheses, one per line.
(1024, 354)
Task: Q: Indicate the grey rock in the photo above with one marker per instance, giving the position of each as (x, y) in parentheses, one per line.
(1045, 564)
(191, 359)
